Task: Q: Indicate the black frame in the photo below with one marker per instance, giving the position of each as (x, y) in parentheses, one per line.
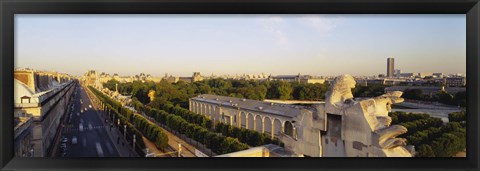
(10, 7)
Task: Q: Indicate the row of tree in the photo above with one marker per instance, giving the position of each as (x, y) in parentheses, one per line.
(447, 145)
(430, 136)
(216, 142)
(421, 124)
(151, 131)
(251, 137)
(402, 117)
(457, 116)
(178, 93)
(186, 114)
(458, 99)
(140, 127)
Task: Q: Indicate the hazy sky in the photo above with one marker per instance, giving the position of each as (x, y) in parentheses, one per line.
(237, 44)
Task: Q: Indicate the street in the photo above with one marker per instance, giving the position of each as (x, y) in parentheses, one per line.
(84, 132)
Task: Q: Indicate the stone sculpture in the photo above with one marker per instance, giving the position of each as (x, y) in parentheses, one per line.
(366, 129)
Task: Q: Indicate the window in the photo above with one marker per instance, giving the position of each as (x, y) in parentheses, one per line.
(289, 129)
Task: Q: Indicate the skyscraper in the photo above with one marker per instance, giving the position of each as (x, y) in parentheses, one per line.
(390, 67)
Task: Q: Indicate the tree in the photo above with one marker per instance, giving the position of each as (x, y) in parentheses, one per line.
(279, 90)
(461, 98)
(445, 98)
(457, 116)
(414, 94)
(425, 150)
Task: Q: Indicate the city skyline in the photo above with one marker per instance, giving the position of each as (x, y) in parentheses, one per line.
(234, 44)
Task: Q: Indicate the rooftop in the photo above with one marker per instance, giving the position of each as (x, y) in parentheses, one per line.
(254, 105)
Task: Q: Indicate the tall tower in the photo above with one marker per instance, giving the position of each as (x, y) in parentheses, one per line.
(390, 67)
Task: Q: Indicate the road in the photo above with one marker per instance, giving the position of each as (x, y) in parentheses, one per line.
(84, 124)
(437, 111)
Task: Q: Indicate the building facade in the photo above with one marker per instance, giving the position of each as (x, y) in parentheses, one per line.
(46, 100)
(23, 135)
(455, 81)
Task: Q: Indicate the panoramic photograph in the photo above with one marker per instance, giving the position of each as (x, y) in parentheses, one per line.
(317, 85)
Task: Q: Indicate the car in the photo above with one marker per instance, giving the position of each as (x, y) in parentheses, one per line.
(74, 140)
(80, 127)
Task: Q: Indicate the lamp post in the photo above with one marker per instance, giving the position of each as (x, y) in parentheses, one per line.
(179, 149)
(124, 130)
(134, 139)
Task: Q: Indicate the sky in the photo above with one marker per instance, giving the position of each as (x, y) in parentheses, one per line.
(325, 45)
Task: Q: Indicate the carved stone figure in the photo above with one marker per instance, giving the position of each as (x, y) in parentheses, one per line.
(366, 129)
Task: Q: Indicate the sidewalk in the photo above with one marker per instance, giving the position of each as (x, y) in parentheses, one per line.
(187, 149)
(158, 153)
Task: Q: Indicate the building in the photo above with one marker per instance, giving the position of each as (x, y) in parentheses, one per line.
(45, 96)
(379, 81)
(91, 78)
(260, 77)
(407, 75)
(356, 128)
(455, 81)
(438, 75)
(298, 78)
(423, 75)
(426, 90)
(23, 135)
(398, 73)
(194, 78)
(390, 67)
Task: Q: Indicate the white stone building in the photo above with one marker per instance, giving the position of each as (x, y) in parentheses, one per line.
(340, 127)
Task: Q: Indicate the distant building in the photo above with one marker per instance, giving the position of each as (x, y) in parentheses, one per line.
(426, 90)
(407, 75)
(171, 79)
(194, 78)
(438, 75)
(390, 67)
(260, 77)
(298, 78)
(379, 81)
(455, 81)
(91, 78)
(41, 95)
(423, 75)
(398, 73)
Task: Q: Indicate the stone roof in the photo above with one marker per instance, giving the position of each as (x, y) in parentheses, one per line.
(253, 105)
(21, 90)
